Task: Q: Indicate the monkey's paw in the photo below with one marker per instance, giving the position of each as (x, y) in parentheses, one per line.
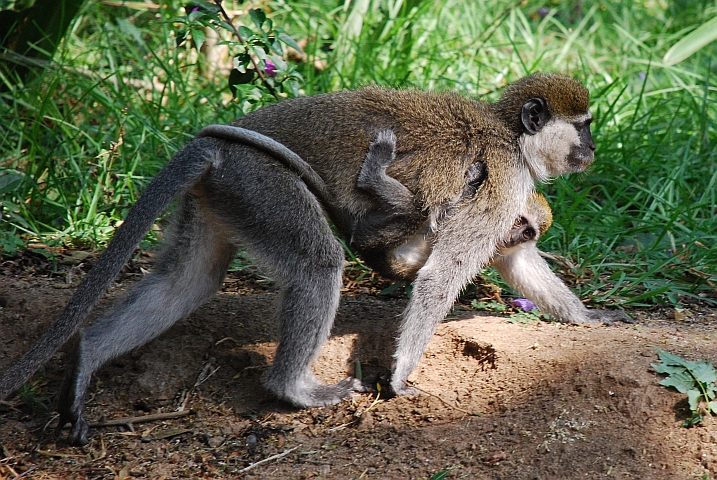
(608, 317)
(324, 395)
(316, 394)
(402, 389)
(79, 431)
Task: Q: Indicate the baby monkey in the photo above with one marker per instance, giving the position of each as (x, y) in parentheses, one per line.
(518, 259)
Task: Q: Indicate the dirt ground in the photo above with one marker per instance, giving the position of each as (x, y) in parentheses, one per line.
(500, 401)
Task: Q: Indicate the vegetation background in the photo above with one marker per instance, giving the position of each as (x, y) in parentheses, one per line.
(128, 86)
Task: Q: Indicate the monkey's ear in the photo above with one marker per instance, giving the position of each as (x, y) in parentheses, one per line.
(534, 115)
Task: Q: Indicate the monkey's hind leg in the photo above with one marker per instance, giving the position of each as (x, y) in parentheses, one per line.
(309, 266)
(190, 268)
(285, 229)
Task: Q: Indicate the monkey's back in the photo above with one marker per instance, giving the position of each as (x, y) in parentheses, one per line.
(438, 136)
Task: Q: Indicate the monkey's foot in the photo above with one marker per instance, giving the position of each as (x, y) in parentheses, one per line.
(609, 317)
(79, 431)
(402, 388)
(317, 394)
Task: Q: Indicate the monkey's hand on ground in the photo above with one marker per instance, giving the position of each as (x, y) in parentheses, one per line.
(608, 317)
(312, 393)
(402, 389)
(79, 430)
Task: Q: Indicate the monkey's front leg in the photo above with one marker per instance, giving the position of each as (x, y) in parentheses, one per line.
(524, 270)
(438, 284)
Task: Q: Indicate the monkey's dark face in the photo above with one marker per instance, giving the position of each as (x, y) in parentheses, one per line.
(553, 145)
(521, 232)
(583, 154)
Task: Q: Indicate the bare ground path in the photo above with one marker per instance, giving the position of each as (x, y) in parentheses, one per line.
(502, 401)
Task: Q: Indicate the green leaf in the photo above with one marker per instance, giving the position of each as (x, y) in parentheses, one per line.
(258, 17)
(258, 51)
(392, 288)
(681, 381)
(128, 28)
(202, 5)
(704, 372)
(289, 41)
(712, 406)
(226, 26)
(441, 475)
(199, 37)
(691, 42)
(670, 358)
(246, 33)
(9, 243)
(10, 182)
(194, 16)
(666, 369)
(693, 397)
(695, 419)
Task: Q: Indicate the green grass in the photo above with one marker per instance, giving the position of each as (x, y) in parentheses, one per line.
(76, 148)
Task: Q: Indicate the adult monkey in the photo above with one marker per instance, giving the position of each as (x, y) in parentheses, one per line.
(518, 259)
(237, 194)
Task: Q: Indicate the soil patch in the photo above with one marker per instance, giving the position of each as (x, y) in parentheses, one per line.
(500, 401)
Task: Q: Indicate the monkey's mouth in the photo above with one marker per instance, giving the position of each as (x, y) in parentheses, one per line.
(579, 159)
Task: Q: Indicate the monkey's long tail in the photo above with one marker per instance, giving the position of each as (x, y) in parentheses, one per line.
(181, 173)
(257, 140)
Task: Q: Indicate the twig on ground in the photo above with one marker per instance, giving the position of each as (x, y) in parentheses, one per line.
(268, 459)
(444, 401)
(145, 418)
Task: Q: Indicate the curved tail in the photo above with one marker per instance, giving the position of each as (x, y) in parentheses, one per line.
(279, 151)
(182, 172)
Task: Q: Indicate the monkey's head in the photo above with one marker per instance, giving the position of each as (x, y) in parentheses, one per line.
(532, 224)
(550, 115)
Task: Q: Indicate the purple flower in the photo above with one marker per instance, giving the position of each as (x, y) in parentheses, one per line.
(195, 9)
(270, 69)
(642, 75)
(523, 304)
(543, 12)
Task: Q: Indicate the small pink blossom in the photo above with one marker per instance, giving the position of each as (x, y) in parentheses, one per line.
(524, 304)
(270, 69)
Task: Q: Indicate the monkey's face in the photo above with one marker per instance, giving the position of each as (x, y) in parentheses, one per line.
(582, 154)
(521, 232)
(561, 146)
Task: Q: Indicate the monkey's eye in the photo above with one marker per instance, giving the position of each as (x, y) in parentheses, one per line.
(528, 234)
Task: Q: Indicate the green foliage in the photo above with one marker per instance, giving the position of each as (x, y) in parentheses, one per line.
(257, 52)
(396, 286)
(527, 318)
(442, 475)
(32, 395)
(491, 306)
(532, 317)
(692, 42)
(696, 379)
